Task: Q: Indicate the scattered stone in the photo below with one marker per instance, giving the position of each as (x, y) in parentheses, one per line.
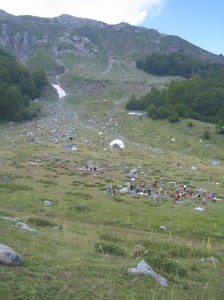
(144, 269)
(133, 171)
(199, 208)
(163, 227)
(124, 190)
(54, 158)
(10, 257)
(31, 163)
(55, 140)
(19, 223)
(37, 140)
(209, 259)
(133, 174)
(56, 228)
(23, 226)
(48, 203)
(16, 220)
(193, 168)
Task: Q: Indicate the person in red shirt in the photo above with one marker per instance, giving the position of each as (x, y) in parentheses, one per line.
(177, 197)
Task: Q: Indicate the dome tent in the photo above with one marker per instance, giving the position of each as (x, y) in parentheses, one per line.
(117, 144)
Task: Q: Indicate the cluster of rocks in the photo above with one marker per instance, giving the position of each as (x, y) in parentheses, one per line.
(8, 256)
(19, 224)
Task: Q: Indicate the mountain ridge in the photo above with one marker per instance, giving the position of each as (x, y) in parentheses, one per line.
(24, 34)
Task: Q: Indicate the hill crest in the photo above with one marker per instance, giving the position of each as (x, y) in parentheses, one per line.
(24, 34)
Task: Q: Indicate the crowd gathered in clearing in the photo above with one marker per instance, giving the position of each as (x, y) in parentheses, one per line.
(172, 190)
(156, 189)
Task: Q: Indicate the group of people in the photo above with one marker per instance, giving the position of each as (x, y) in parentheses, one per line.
(172, 190)
(94, 169)
(183, 191)
(139, 189)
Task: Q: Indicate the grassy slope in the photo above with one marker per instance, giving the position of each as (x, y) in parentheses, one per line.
(81, 260)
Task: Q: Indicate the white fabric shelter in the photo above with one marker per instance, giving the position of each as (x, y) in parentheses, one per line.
(117, 143)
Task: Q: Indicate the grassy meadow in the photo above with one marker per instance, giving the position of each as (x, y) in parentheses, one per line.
(101, 235)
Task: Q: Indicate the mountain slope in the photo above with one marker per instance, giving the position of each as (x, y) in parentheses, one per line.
(88, 238)
(95, 59)
(67, 34)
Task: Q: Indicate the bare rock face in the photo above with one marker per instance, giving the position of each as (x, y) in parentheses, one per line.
(9, 257)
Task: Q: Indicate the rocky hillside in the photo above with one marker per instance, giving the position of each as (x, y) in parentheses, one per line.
(33, 39)
(95, 61)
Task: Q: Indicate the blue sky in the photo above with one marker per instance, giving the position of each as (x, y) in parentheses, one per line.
(200, 22)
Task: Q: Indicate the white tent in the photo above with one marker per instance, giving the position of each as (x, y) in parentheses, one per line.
(117, 144)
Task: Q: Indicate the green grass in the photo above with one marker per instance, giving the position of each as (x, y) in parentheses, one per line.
(102, 235)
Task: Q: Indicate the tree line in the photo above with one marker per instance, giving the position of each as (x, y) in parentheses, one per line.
(18, 86)
(178, 64)
(200, 96)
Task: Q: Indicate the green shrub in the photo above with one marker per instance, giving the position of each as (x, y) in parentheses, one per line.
(117, 199)
(206, 135)
(111, 237)
(190, 124)
(167, 265)
(6, 214)
(40, 222)
(173, 117)
(80, 208)
(14, 187)
(109, 249)
(83, 196)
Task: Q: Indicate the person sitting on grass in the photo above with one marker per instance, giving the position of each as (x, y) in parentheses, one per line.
(137, 190)
(114, 192)
(154, 184)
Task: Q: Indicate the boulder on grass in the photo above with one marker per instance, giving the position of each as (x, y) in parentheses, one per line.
(144, 269)
(9, 257)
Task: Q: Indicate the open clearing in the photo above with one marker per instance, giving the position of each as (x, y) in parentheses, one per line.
(86, 237)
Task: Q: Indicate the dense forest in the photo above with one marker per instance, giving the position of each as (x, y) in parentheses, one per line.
(17, 87)
(200, 96)
(178, 64)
